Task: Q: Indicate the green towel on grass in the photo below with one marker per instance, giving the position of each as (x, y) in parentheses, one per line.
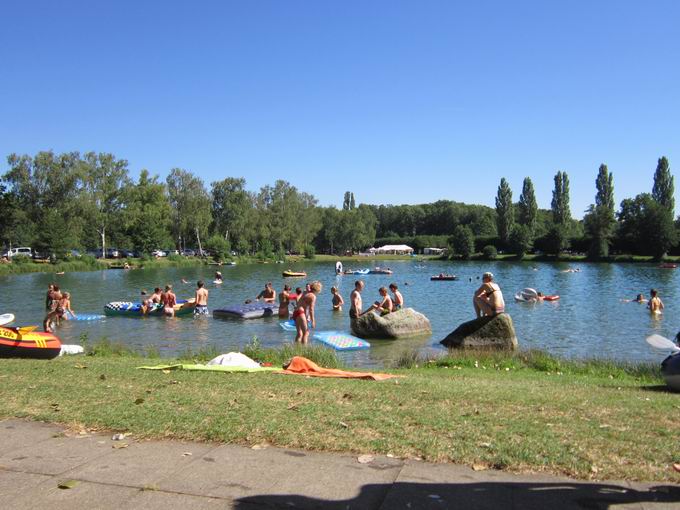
(210, 368)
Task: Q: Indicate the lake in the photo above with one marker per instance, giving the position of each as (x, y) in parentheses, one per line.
(590, 319)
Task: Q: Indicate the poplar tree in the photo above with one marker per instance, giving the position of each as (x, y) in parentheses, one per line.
(663, 188)
(528, 208)
(559, 234)
(504, 211)
(599, 222)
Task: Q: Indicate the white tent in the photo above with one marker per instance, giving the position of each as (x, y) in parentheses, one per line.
(394, 249)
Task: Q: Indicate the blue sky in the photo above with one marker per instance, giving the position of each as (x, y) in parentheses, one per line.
(400, 102)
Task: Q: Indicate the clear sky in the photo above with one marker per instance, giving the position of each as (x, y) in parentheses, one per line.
(400, 102)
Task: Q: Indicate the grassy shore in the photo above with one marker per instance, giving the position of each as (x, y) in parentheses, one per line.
(526, 412)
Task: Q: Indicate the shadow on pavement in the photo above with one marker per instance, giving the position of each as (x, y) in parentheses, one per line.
(475, 496)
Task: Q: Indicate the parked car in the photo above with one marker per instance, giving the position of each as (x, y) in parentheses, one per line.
(129, 254)
(159, 253)
(187, 252)
(172, 252)
(14, 252)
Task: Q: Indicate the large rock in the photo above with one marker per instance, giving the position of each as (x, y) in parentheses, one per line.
(402, 323)
(495, 332)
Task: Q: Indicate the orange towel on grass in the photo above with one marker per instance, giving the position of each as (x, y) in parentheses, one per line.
(303, 366)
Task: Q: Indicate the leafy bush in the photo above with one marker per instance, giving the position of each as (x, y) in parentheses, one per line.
(173, 257)
(489, 252)
(310, 253)
(219, 246)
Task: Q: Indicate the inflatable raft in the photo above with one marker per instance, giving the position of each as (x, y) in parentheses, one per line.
(377, 270)
(27, 343)
(294, 274)
(443, 278)
(357, 271)
(249, 311)
(130, 309)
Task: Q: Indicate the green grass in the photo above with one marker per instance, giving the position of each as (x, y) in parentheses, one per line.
(523, 412)
(67, 267)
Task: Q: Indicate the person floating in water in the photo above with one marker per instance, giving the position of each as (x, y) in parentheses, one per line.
(337, 300)
(655, 304)
(218, 277)
(305, 308)
(640, 298)
(201, 299)
(397, 298)
(488, 298)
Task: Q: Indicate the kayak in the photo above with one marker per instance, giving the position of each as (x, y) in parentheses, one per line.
(130, 309)
(443, 278)
(28, 343)
(294, 274)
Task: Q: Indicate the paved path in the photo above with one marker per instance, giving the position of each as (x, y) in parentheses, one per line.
(35, 458)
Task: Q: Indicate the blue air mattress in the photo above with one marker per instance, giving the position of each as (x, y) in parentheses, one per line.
(86, 317)
(249, 311)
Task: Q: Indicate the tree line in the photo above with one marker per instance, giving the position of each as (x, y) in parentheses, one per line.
(59, 202)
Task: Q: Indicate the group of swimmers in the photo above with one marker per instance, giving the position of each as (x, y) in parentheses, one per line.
(57, 306)
(385, 305)
(167, 300)
(654, 305)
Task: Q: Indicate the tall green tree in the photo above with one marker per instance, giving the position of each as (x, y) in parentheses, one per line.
(646, 227)
(528, 208)
(346, 202)
(105, 180)
(561, 213)
(463, 241)
(231, 208)
(147, 214)
(191, 207)
(352, 203)
(663, 188)
(505, 216)
(600, 221)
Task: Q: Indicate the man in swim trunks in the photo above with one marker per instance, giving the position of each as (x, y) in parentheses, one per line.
(385, 305)
(356, 304)
(305, 308)
(268, 295)
(398, 299)
(655, 304)
(488, 298)
(201, 299)
(169, 301)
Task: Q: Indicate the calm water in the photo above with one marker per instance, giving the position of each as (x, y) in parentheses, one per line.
(589, 321)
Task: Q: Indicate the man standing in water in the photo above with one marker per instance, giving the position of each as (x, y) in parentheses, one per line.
(201, 299)
(356, 304)
(488, 298)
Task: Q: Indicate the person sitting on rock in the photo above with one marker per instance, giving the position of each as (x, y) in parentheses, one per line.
(488, 298)
(385, 306)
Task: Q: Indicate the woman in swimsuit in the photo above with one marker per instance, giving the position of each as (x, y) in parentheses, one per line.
(303, 307)
(655, 304)
(488, 298)
(169, 301)
(337, 300)
(284, 302)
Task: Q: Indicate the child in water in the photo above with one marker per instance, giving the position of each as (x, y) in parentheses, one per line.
(337, 300)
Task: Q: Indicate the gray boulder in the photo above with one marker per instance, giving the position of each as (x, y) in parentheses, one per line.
(402, 323)
(495, 332)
